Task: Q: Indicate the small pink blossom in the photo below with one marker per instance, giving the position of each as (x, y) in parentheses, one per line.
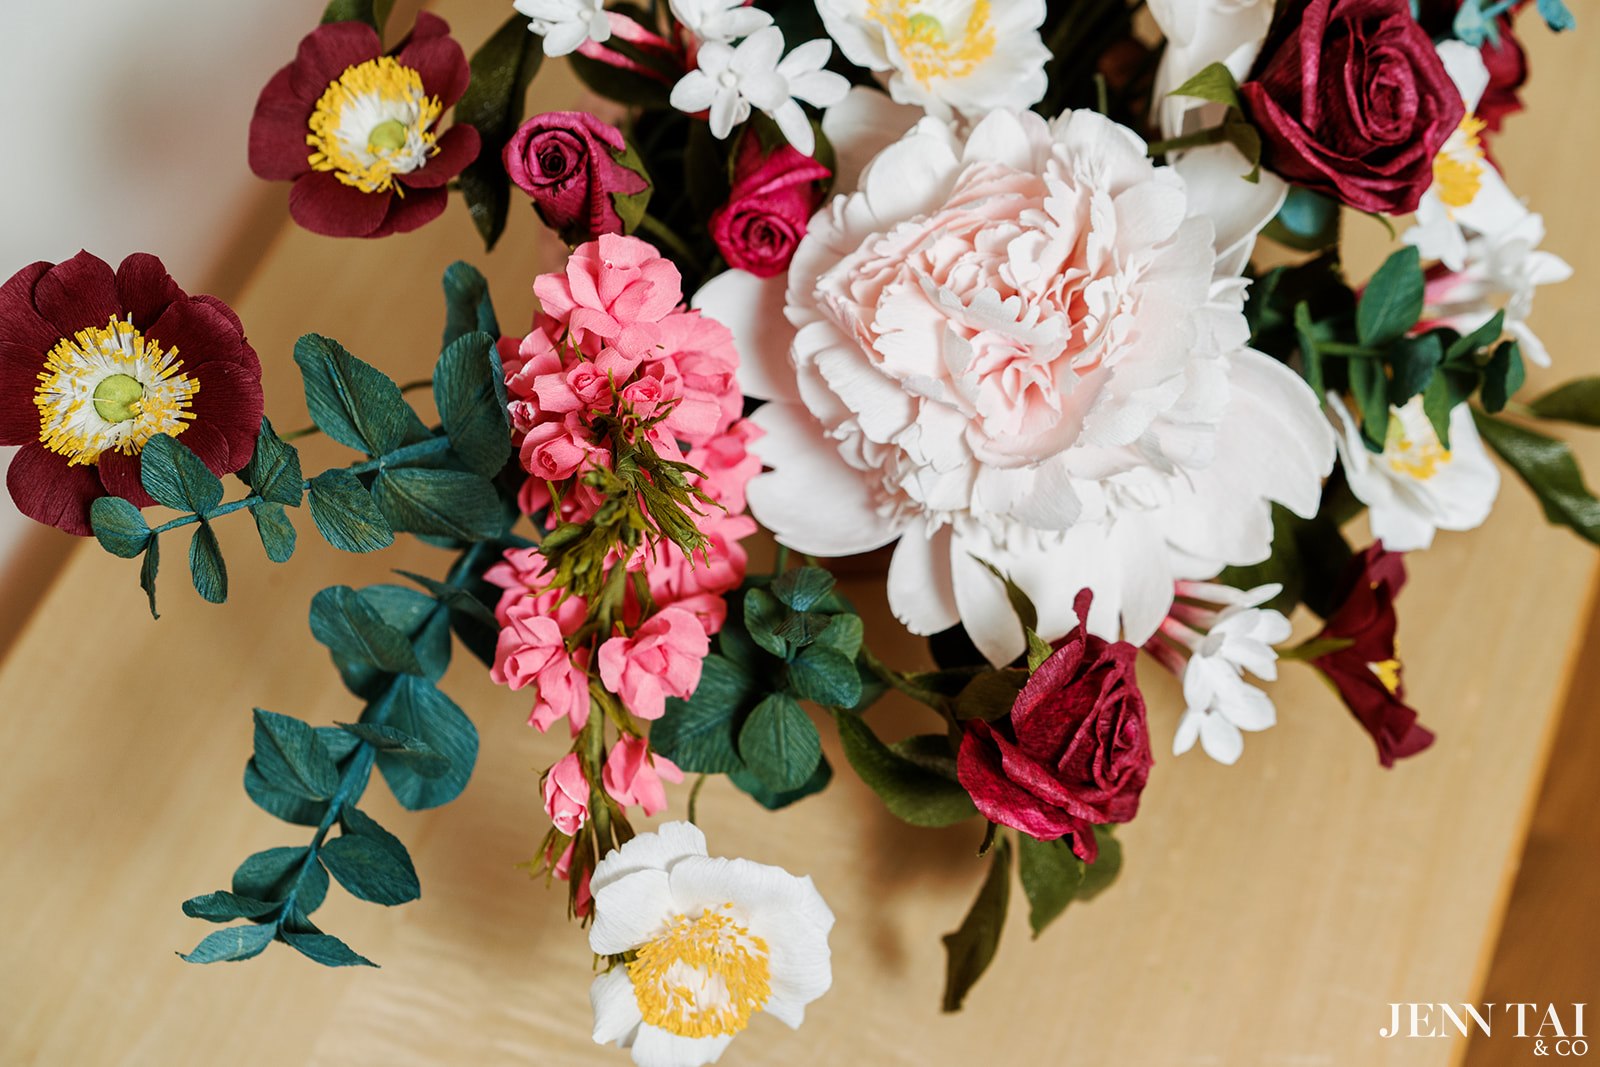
(633, 775)
(615, 290)
(532, 650)
(703, 352)
(522, 574)
(580, 386)
(582, 898)
(555, 451)
(566, 795)
(651, 392)
(662, 659)
(727, 465)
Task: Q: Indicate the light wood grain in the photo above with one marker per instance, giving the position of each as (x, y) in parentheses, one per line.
(1267, 914)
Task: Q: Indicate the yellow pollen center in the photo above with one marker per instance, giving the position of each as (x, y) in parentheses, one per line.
(1458, 168)
(1388, 673)
(1419, 459)
(372, 124)
(703, 977)
(929, 49)
(110, 389)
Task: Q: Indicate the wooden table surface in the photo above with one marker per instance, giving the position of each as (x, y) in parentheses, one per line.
(1267, 913)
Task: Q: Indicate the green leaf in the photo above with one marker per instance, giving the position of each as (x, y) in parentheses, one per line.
(273, 472)
(276, 872)
(119, 527)
(698, 734)
(843, 634)
(148, 570)
(777, 799)
(1039, 649)
(494, 102)
(276, 531)
(911, 792)
(802, 587)
(1050, 876)
(420, 619)
(455, 598)
(1503, 376)
(423, 760)
(763, 614)
(206, 568)
(1414, 359)
(1371, 390)
(1247, 140)
(1099, 875)
(1021, 603)
(931, 752)
(1215, 83)
(177, 477)
(418, 709)
(281, 803)
(353, 402)
(232, 944)
(825, 676)
(779, 743)
(441, 503)
(1550, 470)
(224, 907)
(1465, 347)
(326, 950)
(990, 695)
(1575, 401)
(615, 83)
(468, 308)
(351, 627)
(632, 207)
(971, 948)
(801, 628)
(471, 408)
(345, 514)
(1392, 301)
(290, 756)
(374, 13)
(370, 870)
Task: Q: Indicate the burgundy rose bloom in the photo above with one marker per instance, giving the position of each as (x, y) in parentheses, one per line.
(1352, 100)
(1367, 673)
(94, 363)
(1075, 750)
(356, 130)
(574, 166)
(765, 217)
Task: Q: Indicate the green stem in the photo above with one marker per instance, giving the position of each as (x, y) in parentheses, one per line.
(225, 509)
(351, 785)
(694, 796)
(657, 229)
(1209, 135)
(420, 450)
(1339, 348)
(900, 683)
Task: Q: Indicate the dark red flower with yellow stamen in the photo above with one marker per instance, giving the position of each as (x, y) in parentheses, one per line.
(356, 130)
(93, 363)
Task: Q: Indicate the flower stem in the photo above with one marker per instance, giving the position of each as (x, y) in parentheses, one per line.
(1209, 135)
(694, 796)
(657, 229)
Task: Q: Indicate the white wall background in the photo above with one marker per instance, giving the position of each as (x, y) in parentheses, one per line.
(126, 130)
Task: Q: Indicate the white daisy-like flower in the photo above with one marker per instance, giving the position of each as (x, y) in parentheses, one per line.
(715, 942)
(971, 56)
(1023, 346)
(732, 79)
(566, 24)
(1416, 486)
(1222, 646)
(719, 20)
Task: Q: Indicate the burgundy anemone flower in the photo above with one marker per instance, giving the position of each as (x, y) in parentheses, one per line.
(355, 130)
(95, 363)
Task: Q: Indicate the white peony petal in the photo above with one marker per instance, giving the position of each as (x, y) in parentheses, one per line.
(985, 611)
(752, 309)
(616, 1009)
(629, 911)
(921, 591)
(1237, 209)
(655, 1047)
(860, 126)
(669, 843)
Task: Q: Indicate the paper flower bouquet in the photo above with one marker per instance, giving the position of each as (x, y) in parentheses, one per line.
(974, 282)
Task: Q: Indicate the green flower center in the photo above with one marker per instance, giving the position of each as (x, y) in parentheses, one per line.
(117, 398)
(389, 135)
(926, 28)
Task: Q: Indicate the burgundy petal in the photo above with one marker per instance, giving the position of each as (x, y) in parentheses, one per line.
(119, 473)
(327, 52)
(416, 208)
(25, 338)
(210, 443)
(278, 129)
(47, 489)
(144, 288)
(457, 148)
(200, 333)
(323, 204)
(442, 65)
(226, 311)
(229, 402)
(79, 293)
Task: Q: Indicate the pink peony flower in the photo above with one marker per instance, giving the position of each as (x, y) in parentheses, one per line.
(662, 659)
(765, 217)
(633, 775)
(615, 290)
(566, 795)
(532, 650)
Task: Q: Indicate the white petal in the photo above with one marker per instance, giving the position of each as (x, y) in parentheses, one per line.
(921, 590)
(752, 308)
(693, 93)
(791, 119)
(1214, 177)
(616, 1009)
(655, 1047)
(1221, 739)
(630, 911)
(670, 842)
(985, 611)
(860, 126)
(728, 109)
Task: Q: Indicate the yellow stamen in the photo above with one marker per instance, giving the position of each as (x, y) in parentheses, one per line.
(1415, 459)
(1458, 168)
(704, 977)
(929, 49)
(373, 123)
(1388, 673)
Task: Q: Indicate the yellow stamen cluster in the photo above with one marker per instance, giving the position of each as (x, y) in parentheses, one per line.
(704, 977)
(1416, 459)
(373, 123)
(110, 389)
(930, 52)
(1388, 672)
(1458, 168)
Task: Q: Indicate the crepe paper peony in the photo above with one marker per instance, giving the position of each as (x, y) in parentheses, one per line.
(566, 795)
(730, 80)
(580, 173)
(765, 217)
(946, 56)
(1367, 671)
(710, 944)
(1075, 750)
(356, 130)
(661, 659)
(1416, 485)
(633, 775)
(969, 376)
(719, 20)
(566, 24)
(95, 362)
(1367, 141)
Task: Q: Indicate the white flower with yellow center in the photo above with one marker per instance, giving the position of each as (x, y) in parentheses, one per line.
(971, 56)
(375, 122)
(1416, 486)
(701, 946)
(566, 25)
(110, 389)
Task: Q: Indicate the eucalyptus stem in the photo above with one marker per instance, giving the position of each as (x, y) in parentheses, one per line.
(224, 509)
(351, 785)
(420, 450)
(694, 796)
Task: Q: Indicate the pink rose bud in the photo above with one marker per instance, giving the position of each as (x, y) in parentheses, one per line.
(633, 776)
(554, 451)
(662, 659)
(566, 795)
(583, 177)
(765, 217)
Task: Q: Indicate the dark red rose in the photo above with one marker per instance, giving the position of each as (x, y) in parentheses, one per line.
(1352, 100)
(356, 130)
(1368, 673)
(1075, 750)
(765, 217)
(94, 363)
(575, 167)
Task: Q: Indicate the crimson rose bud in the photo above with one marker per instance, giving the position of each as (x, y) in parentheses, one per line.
(1352, 100)
(765, 217)
(584, 179)
(1367, 672)
(1075, 749)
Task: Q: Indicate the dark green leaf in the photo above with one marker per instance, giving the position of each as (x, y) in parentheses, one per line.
(273, 472)
(337, 743)
(441, 502)
(779, 743)
(370, 870)
(1371, 390)
(1107, 865)
(1503, 376)
(990, 695)
(1215, 83)
(494, 101)
(353, 402)
(825, 676)
(1465, 347)
(455, 598)
(931, 752)
(177, 477)
(345, 514)
(1247, 140)
(232, 944)
(1575, 401)
(290, 756)
(843, 634)
(623, 86)
(148, 570)
(1550, 470)
(802, 587)
(418, 709)
(1021, 603)
(281, 803)
(1392, 301)
(468, 308)
(326, 950)
(119, 527)
(1050, 876)
(698, 734)
(763, 614)
(424, 761)
(911, 792)
(632, 207)
(374, 13)
(276, 872)
(206, 569)
(276, 531)
(224, 907)
(801, 628)
(777, 799)
(971, 948)
(347, 623)
(471, 408)
(1414, 360)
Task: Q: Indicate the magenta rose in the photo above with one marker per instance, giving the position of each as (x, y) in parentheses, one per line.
(765, 217)
(575, 168)
(1352, 101)
(1075, 750)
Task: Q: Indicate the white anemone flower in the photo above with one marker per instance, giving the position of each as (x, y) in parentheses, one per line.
(719, 20)
(1416, 486)
(1021, 345)
(971, 56)
(755, 73)
(715, 942)
(1220, 701)
(566, 25)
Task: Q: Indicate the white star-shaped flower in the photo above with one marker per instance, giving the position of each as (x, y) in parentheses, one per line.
(1221, 702)
(719, 20)
(566, 24)
(732, 79)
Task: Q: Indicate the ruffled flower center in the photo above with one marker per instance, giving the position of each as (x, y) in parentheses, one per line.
(111, 389)
(930, 50)
(703, 977)
(1458, 168)
(1419, 457)
(373, 123)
